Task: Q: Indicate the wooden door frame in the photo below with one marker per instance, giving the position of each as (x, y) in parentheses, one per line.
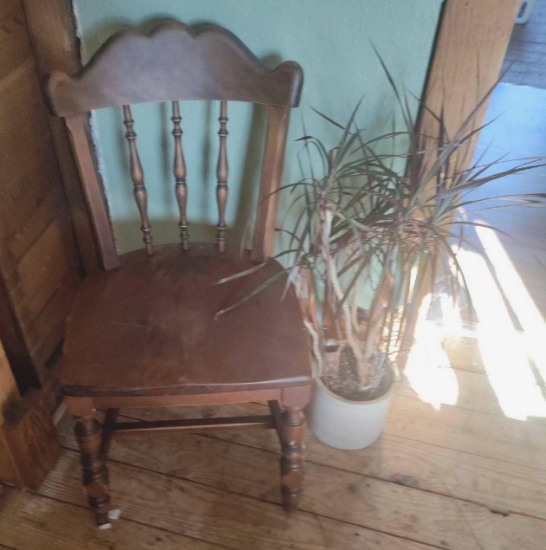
(466, 62)
(470, 47)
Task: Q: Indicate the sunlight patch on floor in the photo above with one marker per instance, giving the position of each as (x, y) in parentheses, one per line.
(508, 354)
(529, 316)
(428, 369)
(505, 351)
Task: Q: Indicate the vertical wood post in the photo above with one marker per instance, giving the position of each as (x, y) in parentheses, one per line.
(79, 137)
(471, 45)
(264, 232)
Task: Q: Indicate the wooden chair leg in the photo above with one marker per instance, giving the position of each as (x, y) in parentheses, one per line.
(94, 471)
(291, 435)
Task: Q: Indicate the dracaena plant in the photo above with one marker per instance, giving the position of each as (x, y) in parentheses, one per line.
(366, 220)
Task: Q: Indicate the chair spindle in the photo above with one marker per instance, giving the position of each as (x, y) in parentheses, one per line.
(137, 175)
(222, 174)
(181, 188)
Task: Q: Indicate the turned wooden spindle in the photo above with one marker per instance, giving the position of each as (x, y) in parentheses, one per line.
(181, 188)
(137, 175)
(222, 174)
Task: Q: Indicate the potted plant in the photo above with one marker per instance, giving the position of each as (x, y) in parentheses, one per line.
(364, 233)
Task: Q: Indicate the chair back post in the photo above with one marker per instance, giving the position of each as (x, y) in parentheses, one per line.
(264, 231)
(78, 132)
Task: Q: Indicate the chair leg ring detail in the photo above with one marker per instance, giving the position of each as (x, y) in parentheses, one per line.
(291, 461)
(94, 472)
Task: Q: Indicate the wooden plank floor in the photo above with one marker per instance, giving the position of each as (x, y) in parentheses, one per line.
(461, 477)
(456, 474)
(526, 56)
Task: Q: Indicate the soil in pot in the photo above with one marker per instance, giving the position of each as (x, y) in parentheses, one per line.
(345, 382)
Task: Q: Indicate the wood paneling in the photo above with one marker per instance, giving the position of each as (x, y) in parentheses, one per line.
(52, 30)
(39, 262)
(14, 42)
(28, 436)
(28, 444)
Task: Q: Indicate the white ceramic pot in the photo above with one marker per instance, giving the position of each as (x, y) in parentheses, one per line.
(345, 424)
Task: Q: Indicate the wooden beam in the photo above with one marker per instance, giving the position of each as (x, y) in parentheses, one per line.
(470, 48)
(53, 35)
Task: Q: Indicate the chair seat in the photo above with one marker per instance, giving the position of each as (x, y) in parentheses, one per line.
(149, 328)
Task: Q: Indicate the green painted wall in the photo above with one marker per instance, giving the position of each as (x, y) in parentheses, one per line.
(331, 39)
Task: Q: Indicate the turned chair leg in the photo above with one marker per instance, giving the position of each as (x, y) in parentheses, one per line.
(94, 471)
(291, 435)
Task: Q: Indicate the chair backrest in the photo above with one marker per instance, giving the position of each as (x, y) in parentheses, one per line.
(175, 63)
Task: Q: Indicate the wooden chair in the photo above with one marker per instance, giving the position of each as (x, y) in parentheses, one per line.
(143, 332)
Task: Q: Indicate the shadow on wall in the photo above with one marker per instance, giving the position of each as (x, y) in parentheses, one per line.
(165, 231)
(160, 181)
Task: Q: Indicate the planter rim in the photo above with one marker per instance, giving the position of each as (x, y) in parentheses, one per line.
(382, 397)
